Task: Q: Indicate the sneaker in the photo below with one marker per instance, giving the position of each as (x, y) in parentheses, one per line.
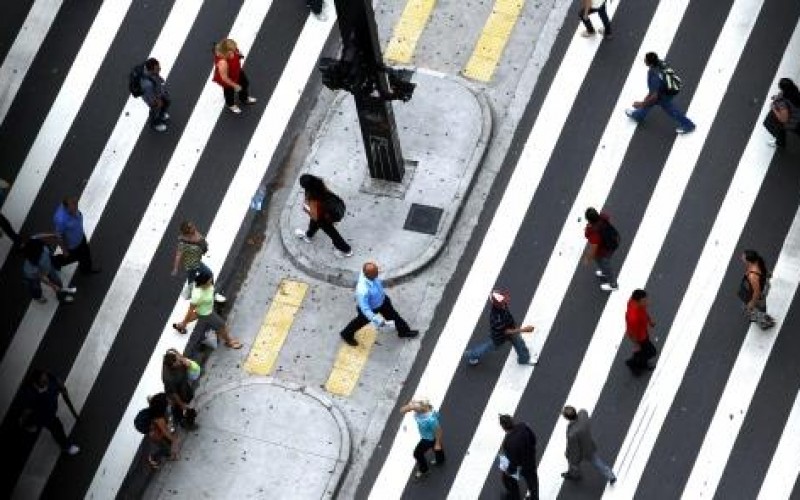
(612, 480)
(630, 114)
(160, 127)
(682, 131)
(322, 16)
(70, 290)
(409, 334)
(250, 100)
(235, 109)
(588, 34)
(41, 300)
(773, 143)
(567, 475)
(165, 116)
(218, 297)
(420, 475)
(343, 255)
(72, 450)
(599, 273)
(68, 299)
(471, 361)
(302, 235)
(350, 341)
(606, 287)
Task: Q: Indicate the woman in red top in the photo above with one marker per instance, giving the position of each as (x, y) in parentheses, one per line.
(229, 74)
(637, 320)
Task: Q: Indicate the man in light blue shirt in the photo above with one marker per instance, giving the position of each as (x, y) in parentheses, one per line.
(68, 222)
(373, 306)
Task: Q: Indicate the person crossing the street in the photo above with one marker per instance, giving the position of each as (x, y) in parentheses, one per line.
(502, 328)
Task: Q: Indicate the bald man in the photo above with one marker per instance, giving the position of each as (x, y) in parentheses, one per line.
(373, 306)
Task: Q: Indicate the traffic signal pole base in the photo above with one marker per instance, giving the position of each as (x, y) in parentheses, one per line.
(445, 131)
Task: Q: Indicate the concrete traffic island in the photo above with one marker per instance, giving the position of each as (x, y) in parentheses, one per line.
(260, 437)
(444, 132)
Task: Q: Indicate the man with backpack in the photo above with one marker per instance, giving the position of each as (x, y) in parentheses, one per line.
(145, 81)
(603, 240)
(663, 85)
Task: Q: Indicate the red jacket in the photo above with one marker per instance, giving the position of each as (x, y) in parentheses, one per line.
(636, 321)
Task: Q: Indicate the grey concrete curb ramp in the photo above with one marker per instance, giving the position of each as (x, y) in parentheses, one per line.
(260, 438)
(444, 132)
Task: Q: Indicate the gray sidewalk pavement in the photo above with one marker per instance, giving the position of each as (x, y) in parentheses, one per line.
(284, 436)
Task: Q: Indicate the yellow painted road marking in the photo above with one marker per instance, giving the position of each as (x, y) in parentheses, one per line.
(493, 39)
(408, 30)
(275, 327)
(350, 362)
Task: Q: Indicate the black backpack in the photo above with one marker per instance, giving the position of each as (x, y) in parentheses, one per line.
(143, 420)
(135, 80)
(609, 236)
(334, 207)
(672, 82)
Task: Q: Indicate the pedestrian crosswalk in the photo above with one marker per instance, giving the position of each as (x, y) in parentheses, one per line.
(448, 381)
(686, 207)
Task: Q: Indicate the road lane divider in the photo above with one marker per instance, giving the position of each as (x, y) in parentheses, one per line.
(350, 362)
(275, 327)
(493, 39)
(408, 30)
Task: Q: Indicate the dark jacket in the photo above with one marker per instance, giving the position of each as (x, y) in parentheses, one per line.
(500, 320)
(580, 444)
(519, 446)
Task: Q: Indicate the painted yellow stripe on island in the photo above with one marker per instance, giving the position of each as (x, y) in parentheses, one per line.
(493, 39)
(275, 328)
(350, 361)
(408, 30)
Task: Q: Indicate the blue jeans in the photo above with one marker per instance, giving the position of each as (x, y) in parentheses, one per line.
(523, 356)
(35, 285)
(665, 102)
(604, 265)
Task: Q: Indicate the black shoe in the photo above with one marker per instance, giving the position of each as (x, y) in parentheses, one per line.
(567, 475)
(409, 334)
(350, 341)
(612, 480)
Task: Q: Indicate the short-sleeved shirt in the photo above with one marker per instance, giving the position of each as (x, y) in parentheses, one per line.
(68, 226)
(427, 423)
(500, 320)
(203, 300)
(191, 253)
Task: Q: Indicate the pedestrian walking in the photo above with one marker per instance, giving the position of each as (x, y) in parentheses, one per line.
(753, 289)
(581, 446)
(201, 308)
(784, 113)
(373, 306)
(663, 85)
(590, 7)
(603, 240)
(191, 248)
(519, 452)
(502, 328)
(40, 407)
(155, 94)
(178, 388)
(228, 73)
(324, 209)
(430, 435)
(637, 322)
(68, 222)
(5, 225)
(154, 422)
(38, 267)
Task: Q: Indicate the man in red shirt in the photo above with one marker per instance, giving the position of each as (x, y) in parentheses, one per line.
(637, 321)
(603, 240)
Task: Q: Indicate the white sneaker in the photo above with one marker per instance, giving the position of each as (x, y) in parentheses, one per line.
(218, 297)
(165, 116)
(235, 109)
(68, 299)
(70, 290)
(343, 255)
(251, 100)
(160, 127)
(72, 450)
(599, 273)
(302, 235)
(608, 288)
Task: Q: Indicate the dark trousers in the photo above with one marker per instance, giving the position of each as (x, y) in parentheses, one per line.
(244, 94)
(386, 310)
(419, 454)
(56, 428)
(5, 225)
(528, 472)
(646, 352)
(601, 11)
(315, 6)
(329, 229)
(158, 113)
(80, 254)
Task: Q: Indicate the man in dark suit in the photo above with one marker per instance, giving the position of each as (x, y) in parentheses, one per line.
(581, 446)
